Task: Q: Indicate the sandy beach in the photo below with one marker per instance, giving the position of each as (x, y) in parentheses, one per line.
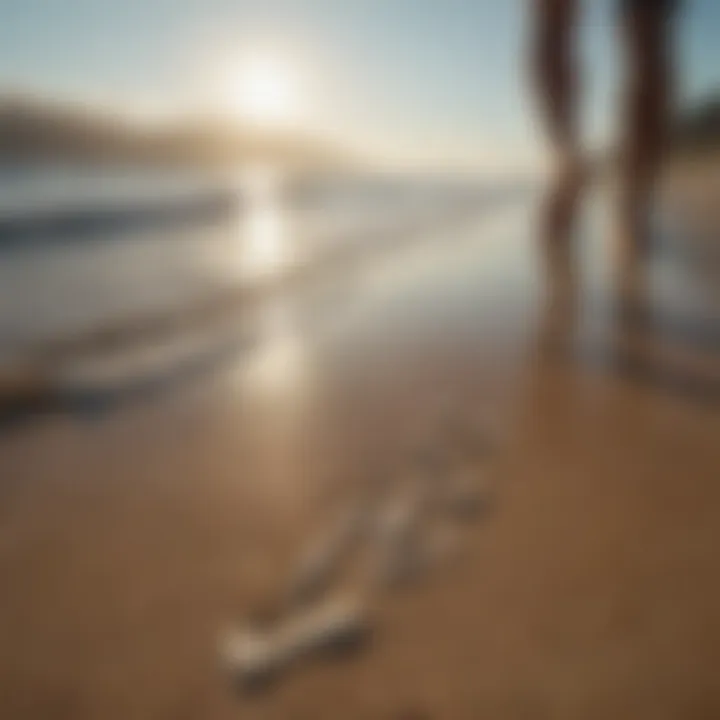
(133, 532)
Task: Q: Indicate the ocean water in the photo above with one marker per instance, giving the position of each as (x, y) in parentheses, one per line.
(58, 285)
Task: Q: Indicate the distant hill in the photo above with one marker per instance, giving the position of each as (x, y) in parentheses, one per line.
(32, 130)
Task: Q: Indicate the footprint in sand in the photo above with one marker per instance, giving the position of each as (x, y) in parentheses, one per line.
(408, 532)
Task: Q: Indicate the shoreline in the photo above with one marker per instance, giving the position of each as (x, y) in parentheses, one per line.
(28, 383)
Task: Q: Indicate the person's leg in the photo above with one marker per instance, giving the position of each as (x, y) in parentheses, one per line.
(554, 69)
(646, 30)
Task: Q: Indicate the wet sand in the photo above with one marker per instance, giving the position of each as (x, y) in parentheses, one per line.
(131, 537)
(33, 376)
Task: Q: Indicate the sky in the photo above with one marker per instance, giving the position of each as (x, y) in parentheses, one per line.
(406, 78)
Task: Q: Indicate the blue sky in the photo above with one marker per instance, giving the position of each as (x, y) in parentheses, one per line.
(427, 77)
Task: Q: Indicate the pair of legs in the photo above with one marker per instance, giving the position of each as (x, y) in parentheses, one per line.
(645, 28)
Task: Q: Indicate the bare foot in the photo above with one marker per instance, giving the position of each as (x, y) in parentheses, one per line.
(632, 247)
(630, 272)
(632, 226)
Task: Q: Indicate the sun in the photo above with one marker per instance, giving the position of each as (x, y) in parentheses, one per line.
(266, 90)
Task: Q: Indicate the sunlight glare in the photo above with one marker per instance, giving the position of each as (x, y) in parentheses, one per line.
(266, 90)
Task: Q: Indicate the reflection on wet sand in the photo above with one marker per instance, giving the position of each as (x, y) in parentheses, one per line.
(396, 519)
(648, 337)
(264, 232)
(265, 241)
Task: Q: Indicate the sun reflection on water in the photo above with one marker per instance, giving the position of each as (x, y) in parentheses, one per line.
(264, 225)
